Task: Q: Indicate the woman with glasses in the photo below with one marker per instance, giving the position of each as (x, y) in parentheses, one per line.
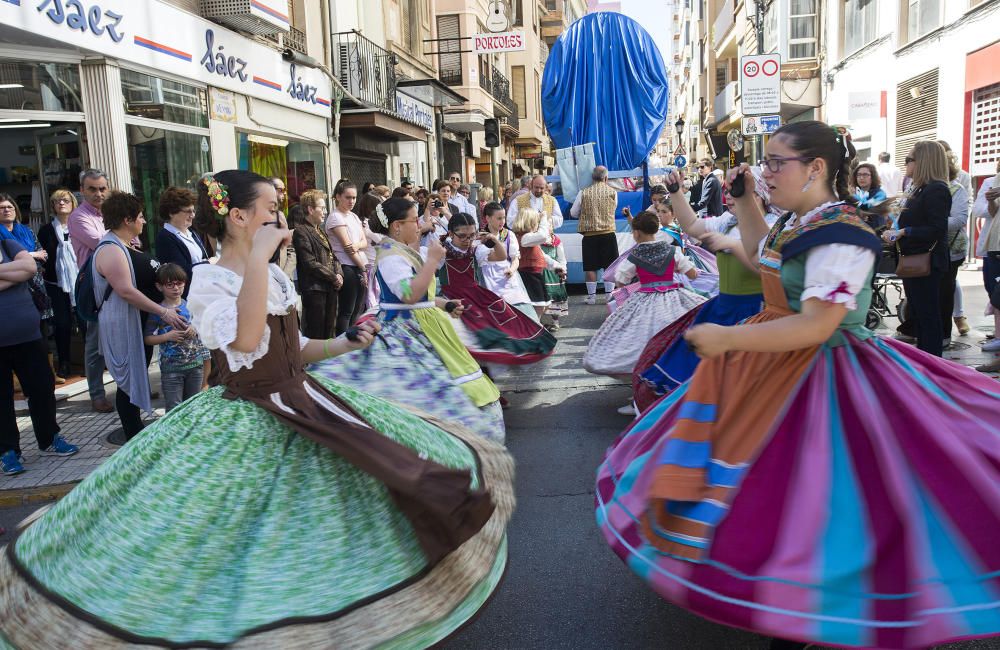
(177, 242)
(60, 276)
(813, 481)
(418, 360)
(493, 330)
(923, 228)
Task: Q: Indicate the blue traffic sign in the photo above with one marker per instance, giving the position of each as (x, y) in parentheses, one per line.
(761, 124)
(680, 161)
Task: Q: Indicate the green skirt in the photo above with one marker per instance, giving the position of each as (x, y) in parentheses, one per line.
(218, 525)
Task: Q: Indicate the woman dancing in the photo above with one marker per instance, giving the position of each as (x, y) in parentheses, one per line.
(813, 481)
(273, 510)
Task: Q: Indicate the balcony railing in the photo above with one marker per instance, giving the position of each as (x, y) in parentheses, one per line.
(725, 102)
(501, 90)
(366, 70)
(451, 76)
(513, 122)
(484, 79)
(723, 23)
(294, 39)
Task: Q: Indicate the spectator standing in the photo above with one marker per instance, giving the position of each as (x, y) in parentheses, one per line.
(537, 200)
(286, 258)
(374, 232)
(183, 358)
(987, 207)
(320, 274)
(923, 228)
(892, 179)
(349, 244)
(24, 351)
(868, 186)
(60, 275)
(958, 235)
(132, 277)
(710, 201)
(86, 229)
(177, 243)
(595, 207)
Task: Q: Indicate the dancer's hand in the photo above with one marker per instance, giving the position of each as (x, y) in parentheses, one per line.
(708, 340)
(458, 310)
(366, 335)
(435, 251)
(269, 238)
(715, 242)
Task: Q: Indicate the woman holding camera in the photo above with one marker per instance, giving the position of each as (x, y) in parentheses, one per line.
(493, 330)
(419, 360)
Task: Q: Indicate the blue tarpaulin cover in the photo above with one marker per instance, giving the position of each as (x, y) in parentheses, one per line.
(605, 82)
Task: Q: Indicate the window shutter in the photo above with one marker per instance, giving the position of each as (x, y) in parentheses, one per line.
(985, 131)
(449, 58)
(520, 94)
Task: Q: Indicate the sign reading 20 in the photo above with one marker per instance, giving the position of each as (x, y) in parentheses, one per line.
(73, 13)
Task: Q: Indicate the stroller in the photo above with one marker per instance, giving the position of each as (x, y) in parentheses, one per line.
(884, 280)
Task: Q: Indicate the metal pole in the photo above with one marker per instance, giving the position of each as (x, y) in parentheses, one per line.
(494, 176)
(759, 18)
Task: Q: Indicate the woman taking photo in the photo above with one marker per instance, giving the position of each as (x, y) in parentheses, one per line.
(419, 360)
(177, 242)
(24, 351)
(320, 274)
(60, 275)
(923, 228)
(349, 244)
(132, 277)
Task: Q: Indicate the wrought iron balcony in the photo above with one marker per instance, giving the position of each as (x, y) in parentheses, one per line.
(367, 70)
(512, 123)
(501, 90)
(484, 79)
(294, 39)
(451, 76)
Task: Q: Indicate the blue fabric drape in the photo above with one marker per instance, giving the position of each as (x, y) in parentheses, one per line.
(605, 82)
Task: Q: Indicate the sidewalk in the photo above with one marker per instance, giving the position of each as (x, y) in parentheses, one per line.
(51, 476)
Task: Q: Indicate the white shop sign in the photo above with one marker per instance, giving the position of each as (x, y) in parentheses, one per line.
(494, 43)
(164, 38)
(760, 84)
(415, 111)
(864, 105)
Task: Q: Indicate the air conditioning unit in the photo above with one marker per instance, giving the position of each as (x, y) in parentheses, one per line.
(260, 17)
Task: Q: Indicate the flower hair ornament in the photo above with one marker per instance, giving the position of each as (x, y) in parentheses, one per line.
(380, 213)
(218, 195)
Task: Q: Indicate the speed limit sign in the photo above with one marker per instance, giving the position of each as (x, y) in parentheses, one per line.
(760, 84)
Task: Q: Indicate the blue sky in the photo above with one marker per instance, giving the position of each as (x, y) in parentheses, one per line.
(655, 17)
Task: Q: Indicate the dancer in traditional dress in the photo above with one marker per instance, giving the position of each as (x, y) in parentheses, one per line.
(813, 481)
(273, 510)
(492, 329)
(419, 360)
(668, 361)
(500, 275)
(555, 281)
(616, 346)
(530, 238)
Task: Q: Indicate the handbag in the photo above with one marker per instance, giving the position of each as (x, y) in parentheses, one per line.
(914, 265)
(36, 287)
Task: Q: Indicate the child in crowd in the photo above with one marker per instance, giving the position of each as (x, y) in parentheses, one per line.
(183, 358)
(555, 279)
(532, 258)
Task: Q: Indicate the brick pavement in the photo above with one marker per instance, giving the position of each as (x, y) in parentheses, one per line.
(48, 476)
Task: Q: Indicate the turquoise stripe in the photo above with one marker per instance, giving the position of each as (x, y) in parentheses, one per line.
(697, 411)
(685, 453)
(845, 546)
(722, 476)
(949, 558)
(706, 512)
(655, 413)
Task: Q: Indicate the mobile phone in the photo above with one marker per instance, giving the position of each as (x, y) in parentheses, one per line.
(739, 187)
(277, 251)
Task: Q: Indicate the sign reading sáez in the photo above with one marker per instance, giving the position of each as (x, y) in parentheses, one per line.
(760, 84)
(494, 43)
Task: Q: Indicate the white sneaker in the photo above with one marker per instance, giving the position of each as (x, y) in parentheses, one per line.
(993, 345)
(628, 409)
(591, 299)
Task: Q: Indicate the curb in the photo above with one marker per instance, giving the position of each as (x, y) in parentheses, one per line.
(25, 496)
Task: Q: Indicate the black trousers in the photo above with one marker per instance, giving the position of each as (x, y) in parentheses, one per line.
(351, 298)
(128, 413)
(319, 313)
(923, 295)
(62, 323)
(947, 296)
(31, 363)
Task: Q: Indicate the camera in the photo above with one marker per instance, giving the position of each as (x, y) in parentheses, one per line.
(437, 204)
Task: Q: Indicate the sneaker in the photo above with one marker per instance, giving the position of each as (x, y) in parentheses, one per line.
(989, 367)
(60, 447)
(591, 299)
(628, 409)
(993, 345)
(962, 324)
(10, 464)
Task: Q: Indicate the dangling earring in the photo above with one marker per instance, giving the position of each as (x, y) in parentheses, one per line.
(809, 184)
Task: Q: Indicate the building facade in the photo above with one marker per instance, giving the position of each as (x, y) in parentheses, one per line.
(158, 94)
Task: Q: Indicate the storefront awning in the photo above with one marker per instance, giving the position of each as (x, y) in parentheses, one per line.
(431, 91)
(384, 124)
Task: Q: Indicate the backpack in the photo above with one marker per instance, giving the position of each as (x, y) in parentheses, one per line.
(86, 304)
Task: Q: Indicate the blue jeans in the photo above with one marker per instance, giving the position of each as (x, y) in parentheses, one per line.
(178, 385)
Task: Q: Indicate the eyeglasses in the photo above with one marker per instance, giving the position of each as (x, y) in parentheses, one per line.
(187, 211)
(62, 201)
(457, 235)
(910, 159)
(774, 164)
(174, 284)
(454, 178)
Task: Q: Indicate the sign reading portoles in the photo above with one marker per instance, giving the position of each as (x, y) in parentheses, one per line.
(494, 43)
(760, 84)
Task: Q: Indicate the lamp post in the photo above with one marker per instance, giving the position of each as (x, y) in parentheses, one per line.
(679, 127)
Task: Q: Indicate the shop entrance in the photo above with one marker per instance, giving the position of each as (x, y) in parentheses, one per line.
(37, 158)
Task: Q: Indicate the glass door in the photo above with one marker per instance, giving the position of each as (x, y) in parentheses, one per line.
(61, 158)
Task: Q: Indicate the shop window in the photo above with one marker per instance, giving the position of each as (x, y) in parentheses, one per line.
(159, 159)
(162, 99)
(28, 86)
(860, 24)
(301, 165)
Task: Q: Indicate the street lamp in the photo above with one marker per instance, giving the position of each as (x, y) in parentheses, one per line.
(679, 126)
